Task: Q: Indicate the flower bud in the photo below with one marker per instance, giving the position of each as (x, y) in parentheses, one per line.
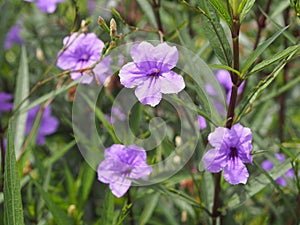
(103, 24)
(113, 28)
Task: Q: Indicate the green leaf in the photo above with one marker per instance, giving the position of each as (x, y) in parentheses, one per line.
(260, 49)
(59, 215)
(13, 211)
(87, 178)
(218, 66)
(149, 209)
(51, 94)
(107, 214)
(136, 117)
(148, 10)
(216, 35)
(262, 85)
(244, 8)
(21, 93)
(288, 35)
(257, 183)
(274, 58)
(223, 12)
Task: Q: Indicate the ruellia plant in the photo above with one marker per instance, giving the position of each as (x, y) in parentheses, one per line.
(149, 112)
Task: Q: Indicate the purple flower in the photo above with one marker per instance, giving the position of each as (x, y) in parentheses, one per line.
(268, 165)
(231, 149)
(121, 165)
(47, 6)
(5, 105)
(116, 114)
(202, 122)
(102, 69)
(151, 72)
(83, 50)
(224, 79)
(48, 123)
(13, 36)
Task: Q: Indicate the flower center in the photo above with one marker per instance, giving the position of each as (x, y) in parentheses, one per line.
(155, 73)
(233, 153)
(84, 57)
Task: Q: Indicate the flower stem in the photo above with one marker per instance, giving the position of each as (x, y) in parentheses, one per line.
(131, 215)
(216, 203)
(231, 111)
(282, 97)
(156, 6)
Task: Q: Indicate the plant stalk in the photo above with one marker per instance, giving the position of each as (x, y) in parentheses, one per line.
(230, 113)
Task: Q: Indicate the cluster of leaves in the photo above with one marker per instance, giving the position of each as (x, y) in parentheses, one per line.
(52, 184)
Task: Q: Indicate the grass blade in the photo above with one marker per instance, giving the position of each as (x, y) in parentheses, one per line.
(59, 215)
(22, 91)
(13, 211)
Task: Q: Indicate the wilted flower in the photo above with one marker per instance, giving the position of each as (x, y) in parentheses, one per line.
(48, 123)
(121, 165)
(231, 149)
(5, 105)
(150, 72)
(83, 50)
(268, 165)
(47, 6)
(13, 36)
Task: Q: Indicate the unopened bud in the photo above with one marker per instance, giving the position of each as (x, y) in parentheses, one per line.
(103, 24)
(113, 28)
(71, 209)
(83, 26)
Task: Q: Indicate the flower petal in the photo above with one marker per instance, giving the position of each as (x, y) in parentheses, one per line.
(131, 75)
(219, 137)
(166, 56)
(171, 82)
(120, 187)
(215, 160)
(267, 165)
(163, 57)
(236, 172)
(142, 171)
(224, 79)
(241, 138)
(142, 52)
(149, 92)
(281, 181)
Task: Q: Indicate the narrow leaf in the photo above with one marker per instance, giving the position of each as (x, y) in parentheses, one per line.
(262, 85)
(87, 179)
(257, 183)
(59, 215)
(149, 209)
(22, 91)
(244, 8)
(107, 214)
(216, 35)
(51, 94)
(147, 9)
(218, 66)
(260, 49)
(274, 58)
(223, 12)
(13, 211)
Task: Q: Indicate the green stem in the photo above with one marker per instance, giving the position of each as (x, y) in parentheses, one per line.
(2, 157)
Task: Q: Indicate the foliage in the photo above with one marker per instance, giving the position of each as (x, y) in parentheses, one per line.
(257, 42)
